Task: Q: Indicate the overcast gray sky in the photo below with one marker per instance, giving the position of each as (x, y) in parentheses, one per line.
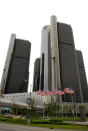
(26, 18)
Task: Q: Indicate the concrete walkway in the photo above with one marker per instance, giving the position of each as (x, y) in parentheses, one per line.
(81, 123)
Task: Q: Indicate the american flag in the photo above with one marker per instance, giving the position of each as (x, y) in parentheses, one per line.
(72, 90)
(43, 94)
(62, 93)
(66, 89)
(51, 94)
(47, 92)
(55, 91)
(58, 92)
(28, 106)
(69, 91)
(39, 92)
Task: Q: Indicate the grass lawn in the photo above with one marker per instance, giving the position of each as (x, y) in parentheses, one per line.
(62, 125)
(74, 127)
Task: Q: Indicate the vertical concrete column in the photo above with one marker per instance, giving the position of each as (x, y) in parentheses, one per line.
(55, 54)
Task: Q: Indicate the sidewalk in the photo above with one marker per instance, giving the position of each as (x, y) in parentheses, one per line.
(81, 123)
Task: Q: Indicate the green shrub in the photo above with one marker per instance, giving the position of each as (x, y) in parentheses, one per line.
(62, 123)
(21, 121)
(3, 119)
(13, 120)
(40, 122)
(1, 116)
(51, 121)
(55, 120)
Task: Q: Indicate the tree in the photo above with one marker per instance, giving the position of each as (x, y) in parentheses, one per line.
(53, 109)
(15, 109)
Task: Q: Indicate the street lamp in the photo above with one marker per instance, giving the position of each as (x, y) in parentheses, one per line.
(30, 89)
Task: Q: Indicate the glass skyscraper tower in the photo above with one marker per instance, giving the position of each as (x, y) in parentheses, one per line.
(16, 70)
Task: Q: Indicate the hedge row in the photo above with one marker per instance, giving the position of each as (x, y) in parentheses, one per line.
(21, 121)
(49, 122)
(13, 120)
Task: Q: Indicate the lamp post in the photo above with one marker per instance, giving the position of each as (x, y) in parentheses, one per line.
(30, 90)
(43, 109)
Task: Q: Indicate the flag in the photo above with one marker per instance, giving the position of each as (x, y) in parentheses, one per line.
(63, 93)
(47, 92)
(72, 90)
(55, 92)
(28, 106)
(69, 91)
(38, 92)
(42, 94)
(66, 89)
(60, 92)
(51, 94)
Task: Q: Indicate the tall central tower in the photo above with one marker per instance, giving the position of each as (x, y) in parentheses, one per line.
(55, 54)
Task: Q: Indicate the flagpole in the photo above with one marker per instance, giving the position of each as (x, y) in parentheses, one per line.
(62, 106)
(65, 107)
(75, 106)
(72, 106)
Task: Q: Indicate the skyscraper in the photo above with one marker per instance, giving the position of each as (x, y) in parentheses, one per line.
(16, 70)
(45, 64)
(36, 78)
(59, 58)
(82, 73)
(69, 72)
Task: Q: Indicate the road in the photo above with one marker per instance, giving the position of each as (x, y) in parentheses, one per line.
(13, 127)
